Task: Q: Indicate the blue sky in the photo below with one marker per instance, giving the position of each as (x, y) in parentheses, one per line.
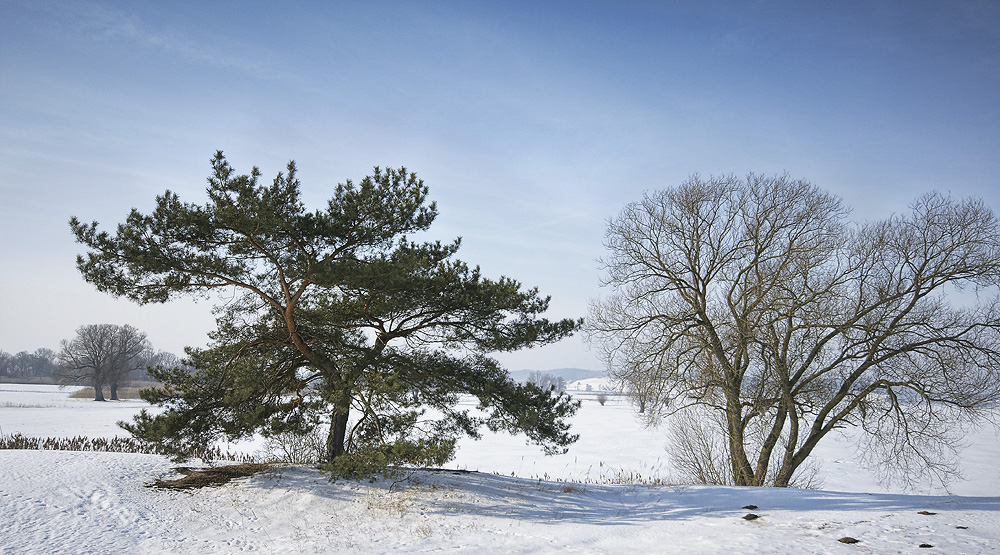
(531, 122)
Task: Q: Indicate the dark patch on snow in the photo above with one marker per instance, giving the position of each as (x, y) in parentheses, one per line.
(214, 476)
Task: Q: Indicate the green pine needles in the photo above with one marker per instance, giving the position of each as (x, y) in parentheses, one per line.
(336, 320)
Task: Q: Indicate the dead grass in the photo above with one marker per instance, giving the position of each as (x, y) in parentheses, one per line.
(113, 445)
(129, 393)
(203, 477)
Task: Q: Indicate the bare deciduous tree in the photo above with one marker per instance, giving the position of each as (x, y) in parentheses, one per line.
(757, 299)
(546, 381)
(102, 354)
(158, 359)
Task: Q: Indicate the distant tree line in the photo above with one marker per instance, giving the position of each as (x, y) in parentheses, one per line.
(100, 356)
(38, 365)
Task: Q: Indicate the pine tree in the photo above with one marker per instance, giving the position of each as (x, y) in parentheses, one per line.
(334, 317)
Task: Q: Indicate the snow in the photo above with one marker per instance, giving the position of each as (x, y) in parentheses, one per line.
(85, 502)
(596, 385)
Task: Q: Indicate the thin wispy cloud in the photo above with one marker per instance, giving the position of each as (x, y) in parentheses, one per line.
(114, 26)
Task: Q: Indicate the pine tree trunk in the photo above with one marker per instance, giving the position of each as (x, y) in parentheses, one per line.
(336, 439)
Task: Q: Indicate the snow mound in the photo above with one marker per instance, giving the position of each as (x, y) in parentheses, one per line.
(67, 502)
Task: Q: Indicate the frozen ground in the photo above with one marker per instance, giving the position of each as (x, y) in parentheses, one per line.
(67, 502)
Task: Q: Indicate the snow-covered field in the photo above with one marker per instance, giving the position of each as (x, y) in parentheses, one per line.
(73, 502)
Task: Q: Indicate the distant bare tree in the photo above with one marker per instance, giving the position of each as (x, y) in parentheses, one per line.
(161, 359)
(134, 355)
(102, 354)
(546, 381)
(642, 388)
(754, 298)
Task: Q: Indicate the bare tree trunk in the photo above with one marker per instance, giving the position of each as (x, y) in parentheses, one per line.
(789, 463)
(784, 477)
(743, 474)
